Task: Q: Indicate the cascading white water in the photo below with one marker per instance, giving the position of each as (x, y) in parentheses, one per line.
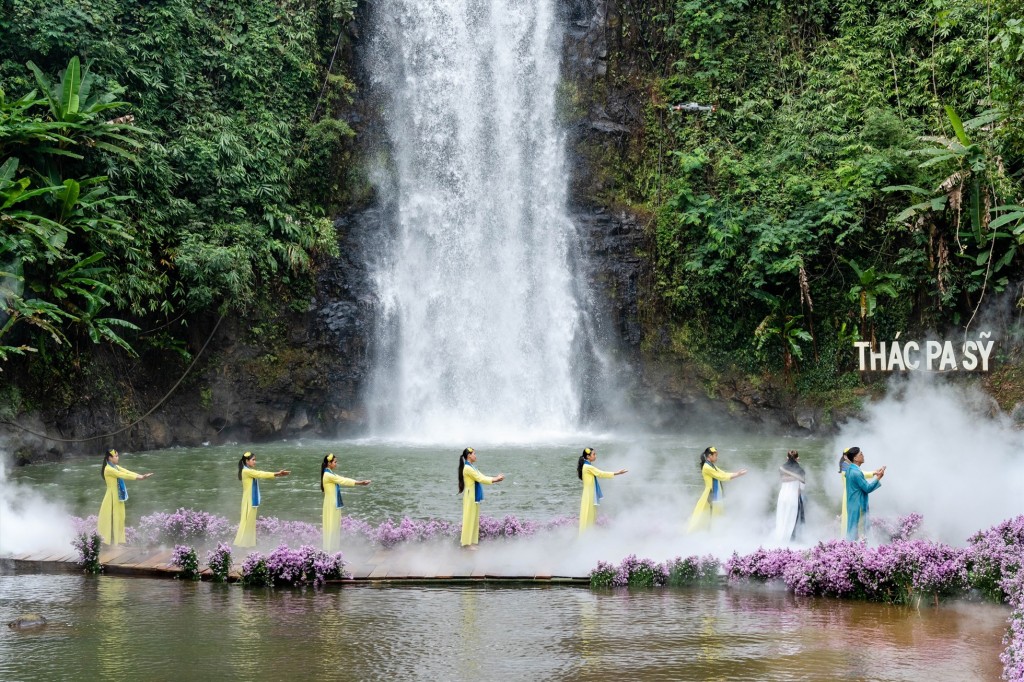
(479, 318)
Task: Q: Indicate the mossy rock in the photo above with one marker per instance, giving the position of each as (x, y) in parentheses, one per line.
(27, 621)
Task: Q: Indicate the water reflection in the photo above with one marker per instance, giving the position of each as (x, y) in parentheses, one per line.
(116, 641)
(121, 628)
(118, 628)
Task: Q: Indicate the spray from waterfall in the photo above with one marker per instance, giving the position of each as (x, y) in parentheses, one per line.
(480, 332)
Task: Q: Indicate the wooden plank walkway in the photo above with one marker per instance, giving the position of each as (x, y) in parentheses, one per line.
(381, 567)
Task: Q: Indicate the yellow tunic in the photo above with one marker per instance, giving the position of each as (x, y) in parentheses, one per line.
(246, 536)
(470, 507)
(706, 507)
(588, 505)
(332, 512)
(110, 523)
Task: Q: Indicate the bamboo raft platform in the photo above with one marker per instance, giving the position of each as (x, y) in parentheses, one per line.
(380, 568)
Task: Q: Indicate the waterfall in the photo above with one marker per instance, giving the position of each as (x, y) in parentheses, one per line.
(478, 332)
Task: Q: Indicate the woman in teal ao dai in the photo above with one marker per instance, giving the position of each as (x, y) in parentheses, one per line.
(857, 491)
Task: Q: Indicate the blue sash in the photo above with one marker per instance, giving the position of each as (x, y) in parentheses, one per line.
(122, 489)
(597, 487)
(717, 489)
(338, 504)
(255, 491)
(478, 488)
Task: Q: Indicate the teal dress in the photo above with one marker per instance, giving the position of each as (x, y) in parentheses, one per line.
(857, 491)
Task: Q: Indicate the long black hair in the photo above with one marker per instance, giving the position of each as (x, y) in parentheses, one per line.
(848, 454)
(462, 467)
(241, 463)
(328, 458)
(708, 451)
(583, 458)
(106, 461)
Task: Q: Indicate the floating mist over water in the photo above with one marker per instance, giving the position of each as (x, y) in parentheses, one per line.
(28, 521)
(481, 330)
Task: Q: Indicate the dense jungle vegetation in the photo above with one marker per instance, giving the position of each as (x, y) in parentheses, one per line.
(862, 173)
(860, 176)
(162, 161)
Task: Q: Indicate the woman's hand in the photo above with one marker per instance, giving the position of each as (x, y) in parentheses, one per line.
(145, 475)
(366, 482)
(739, 473)
(282, 472)
(499, 478)
(621, 471)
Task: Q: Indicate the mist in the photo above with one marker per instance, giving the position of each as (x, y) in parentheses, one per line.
(946, 456)
(29, 522)
(950, 456)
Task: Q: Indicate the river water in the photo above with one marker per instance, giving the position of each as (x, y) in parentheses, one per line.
(123, 628)
(128, 629)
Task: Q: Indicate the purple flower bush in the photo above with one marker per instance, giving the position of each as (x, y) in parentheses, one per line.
(994, 555)
(284, 566)
(891, 573)
(197, 528)
(994, 561)
(902, 528)
(357, 527)
(763, 564)
(89, 524)
(86, 525)
(634, 572)
(183, 526)
(184, 557)
(693, 570)
(1012, 657)
(219, 561)
(391, 533)
(87, 544)
(294, 532)
(894, 572)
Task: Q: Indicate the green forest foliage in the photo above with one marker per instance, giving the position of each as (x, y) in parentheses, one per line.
(162, 160)
(862, 174)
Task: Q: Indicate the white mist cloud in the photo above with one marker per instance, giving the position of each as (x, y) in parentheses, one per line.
(947, 457)
(950, 457)
(28, 521)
